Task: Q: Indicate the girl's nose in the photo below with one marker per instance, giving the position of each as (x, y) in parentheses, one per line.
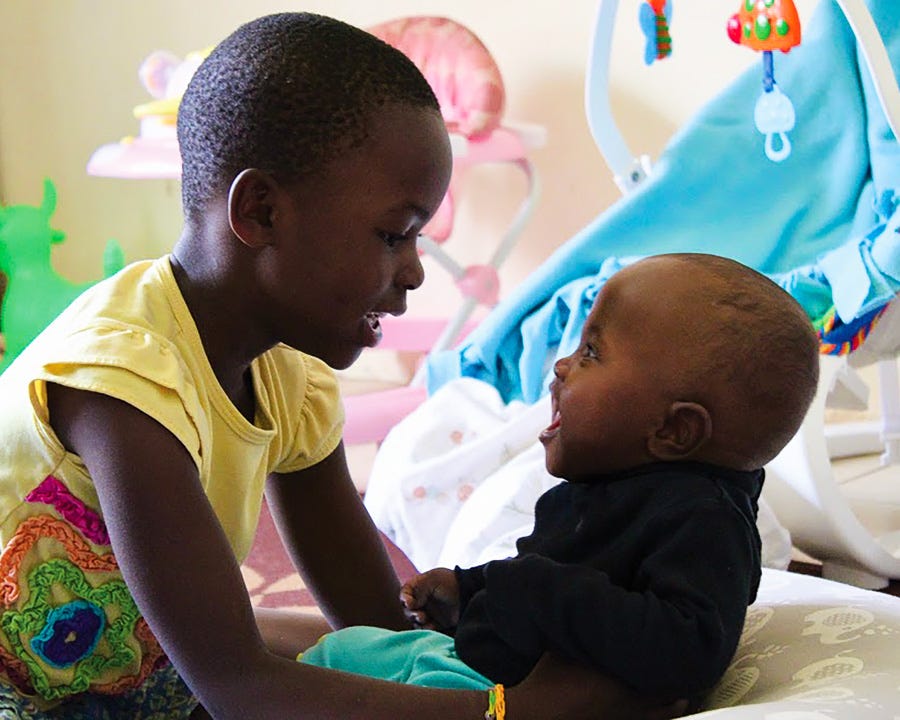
(411, 274)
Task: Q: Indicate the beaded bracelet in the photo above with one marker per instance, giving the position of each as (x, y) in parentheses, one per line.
(496, 704)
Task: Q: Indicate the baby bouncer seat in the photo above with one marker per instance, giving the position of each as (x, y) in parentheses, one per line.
(821, 220)
(847, 291)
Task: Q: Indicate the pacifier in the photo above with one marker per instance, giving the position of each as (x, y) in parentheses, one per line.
(774, 117)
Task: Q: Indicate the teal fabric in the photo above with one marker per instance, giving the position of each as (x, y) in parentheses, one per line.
(412, 657)
(822, 223)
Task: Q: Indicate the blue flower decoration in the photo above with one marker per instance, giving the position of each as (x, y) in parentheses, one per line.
(70, 633)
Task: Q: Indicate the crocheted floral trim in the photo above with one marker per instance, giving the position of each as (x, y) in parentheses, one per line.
(153, 659)
(27, 534)
(52, 492)
(16, 671)
(39, 619)
(66, 635)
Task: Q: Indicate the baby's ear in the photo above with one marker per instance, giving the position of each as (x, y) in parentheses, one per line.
(250, 207)
(686, 428)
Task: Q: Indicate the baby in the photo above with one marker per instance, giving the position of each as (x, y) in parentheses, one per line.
(693, 372)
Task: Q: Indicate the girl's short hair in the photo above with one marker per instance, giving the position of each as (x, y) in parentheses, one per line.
(286, 93)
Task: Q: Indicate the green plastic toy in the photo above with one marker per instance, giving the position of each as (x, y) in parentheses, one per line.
(35, 292)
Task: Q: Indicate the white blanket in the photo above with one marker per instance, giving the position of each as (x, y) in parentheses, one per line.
(456, 481)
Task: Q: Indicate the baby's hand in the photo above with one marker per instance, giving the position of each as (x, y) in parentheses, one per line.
(431, 600)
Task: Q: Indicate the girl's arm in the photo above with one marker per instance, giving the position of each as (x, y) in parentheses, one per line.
(180, 568)
(335, 546)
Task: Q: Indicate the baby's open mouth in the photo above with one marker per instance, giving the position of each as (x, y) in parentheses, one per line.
(553, 428)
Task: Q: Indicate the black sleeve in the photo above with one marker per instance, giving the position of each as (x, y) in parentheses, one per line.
(674, 633)
(470, 581)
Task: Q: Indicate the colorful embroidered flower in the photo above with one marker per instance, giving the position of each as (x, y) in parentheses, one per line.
(71, 633)
(38, 612)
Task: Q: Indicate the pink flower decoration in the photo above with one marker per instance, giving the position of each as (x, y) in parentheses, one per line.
(52, 492)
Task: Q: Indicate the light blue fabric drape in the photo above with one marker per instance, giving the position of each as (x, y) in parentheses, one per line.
(809, 222)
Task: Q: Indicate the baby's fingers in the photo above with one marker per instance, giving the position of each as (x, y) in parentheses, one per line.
(408, 598)
(419, 619)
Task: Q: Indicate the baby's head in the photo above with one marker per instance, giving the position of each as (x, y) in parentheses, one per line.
(287, 93)
(683, 357)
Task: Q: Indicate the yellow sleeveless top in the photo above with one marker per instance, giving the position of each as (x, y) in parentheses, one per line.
(68, 623)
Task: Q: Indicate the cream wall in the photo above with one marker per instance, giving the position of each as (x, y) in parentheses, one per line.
(68, 82)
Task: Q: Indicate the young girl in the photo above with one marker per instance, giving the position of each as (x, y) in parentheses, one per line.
(140, 430)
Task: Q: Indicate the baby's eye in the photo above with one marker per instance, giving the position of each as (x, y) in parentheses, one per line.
(588, 351)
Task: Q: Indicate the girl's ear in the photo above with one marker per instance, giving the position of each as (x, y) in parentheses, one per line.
(251, 206)
(686, 428)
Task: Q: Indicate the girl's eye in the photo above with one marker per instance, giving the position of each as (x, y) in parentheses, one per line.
(393, 239)
(588, 351)
(390, 239)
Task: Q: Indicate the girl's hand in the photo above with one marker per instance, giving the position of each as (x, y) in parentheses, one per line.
(431, 600)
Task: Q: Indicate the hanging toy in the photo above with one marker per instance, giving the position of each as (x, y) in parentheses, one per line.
(655, 18)
(766, 26)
